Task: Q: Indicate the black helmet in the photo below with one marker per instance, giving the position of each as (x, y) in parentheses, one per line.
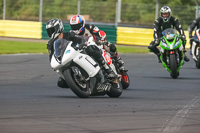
(54, 27)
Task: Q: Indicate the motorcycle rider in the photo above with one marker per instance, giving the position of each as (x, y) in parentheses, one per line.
(195, 24)
(163, 22)
(111, 48)
(78, 25)
(55, 29)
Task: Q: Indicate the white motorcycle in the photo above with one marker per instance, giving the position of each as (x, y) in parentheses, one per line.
(82, 73)
(196, 48)
(124, 78)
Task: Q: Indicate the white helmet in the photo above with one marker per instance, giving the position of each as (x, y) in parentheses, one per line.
(77, 23)
(54, 27)
(165, 13)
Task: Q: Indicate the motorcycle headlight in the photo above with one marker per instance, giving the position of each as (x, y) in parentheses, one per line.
(165, 45)
(177, 43)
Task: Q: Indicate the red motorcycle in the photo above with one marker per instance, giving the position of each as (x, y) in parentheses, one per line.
(125, 81)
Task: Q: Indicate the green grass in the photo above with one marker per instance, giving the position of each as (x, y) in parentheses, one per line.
(132, 49)
(16, 47)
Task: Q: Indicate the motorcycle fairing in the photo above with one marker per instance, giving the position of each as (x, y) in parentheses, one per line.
(87, 63)
(172, 43)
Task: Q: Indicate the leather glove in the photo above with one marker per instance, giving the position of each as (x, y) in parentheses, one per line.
(98, 40)
(156, 41)
(82, 46)
(184, 39)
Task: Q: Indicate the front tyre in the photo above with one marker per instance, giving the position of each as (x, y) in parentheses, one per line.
(125, 81)
(74, 84)
(173, 66)
(115, 90)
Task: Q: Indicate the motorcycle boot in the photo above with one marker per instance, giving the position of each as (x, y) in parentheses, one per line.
(109, 72)
(61, 83)
(152, 47)
(158, 55)
(119, 61)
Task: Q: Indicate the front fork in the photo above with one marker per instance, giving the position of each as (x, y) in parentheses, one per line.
(165, 62)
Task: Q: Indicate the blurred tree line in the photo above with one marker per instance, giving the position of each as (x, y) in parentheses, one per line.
(133, 12)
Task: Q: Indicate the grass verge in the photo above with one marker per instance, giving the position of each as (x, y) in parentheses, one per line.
(17, 47)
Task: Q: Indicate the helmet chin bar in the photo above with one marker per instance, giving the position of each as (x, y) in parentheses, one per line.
(166, 19)
(55, 35)
(78, 31)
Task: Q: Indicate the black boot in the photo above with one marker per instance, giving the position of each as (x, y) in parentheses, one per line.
(158, 55)
(109, 72)
(61, 83)
(119, 61)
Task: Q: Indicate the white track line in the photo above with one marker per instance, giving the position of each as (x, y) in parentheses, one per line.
(177, 121)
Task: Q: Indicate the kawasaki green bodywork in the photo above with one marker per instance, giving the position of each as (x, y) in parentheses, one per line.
(171, 41)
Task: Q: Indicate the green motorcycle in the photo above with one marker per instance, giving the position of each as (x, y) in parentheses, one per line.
(171, 49)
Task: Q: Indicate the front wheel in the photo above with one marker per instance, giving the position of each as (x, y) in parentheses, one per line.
(115, 90)
(173, 66)
(80, 89)
(125, 81)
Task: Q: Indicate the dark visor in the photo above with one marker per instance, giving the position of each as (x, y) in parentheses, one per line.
(76, 26)
(52, 30)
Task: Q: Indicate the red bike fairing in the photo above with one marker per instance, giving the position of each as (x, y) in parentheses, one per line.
(107, 57)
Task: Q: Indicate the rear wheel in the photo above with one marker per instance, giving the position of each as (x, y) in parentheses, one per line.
(173, 66)
(80, 88)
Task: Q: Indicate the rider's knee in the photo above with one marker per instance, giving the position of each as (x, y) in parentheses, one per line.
(151, 46)
(113, 48)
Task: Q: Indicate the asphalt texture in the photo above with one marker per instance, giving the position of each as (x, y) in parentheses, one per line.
(31, 102)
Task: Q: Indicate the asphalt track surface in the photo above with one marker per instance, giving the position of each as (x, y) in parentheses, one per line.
(30, 101)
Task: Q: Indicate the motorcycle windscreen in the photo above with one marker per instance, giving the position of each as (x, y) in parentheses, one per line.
(59, 48)
(169, 33)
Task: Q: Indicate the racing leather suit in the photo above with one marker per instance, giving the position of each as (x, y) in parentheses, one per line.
(159, 26)
(195, 24)
(92, 30)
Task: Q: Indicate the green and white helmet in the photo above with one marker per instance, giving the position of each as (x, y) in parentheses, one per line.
(165, 13)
